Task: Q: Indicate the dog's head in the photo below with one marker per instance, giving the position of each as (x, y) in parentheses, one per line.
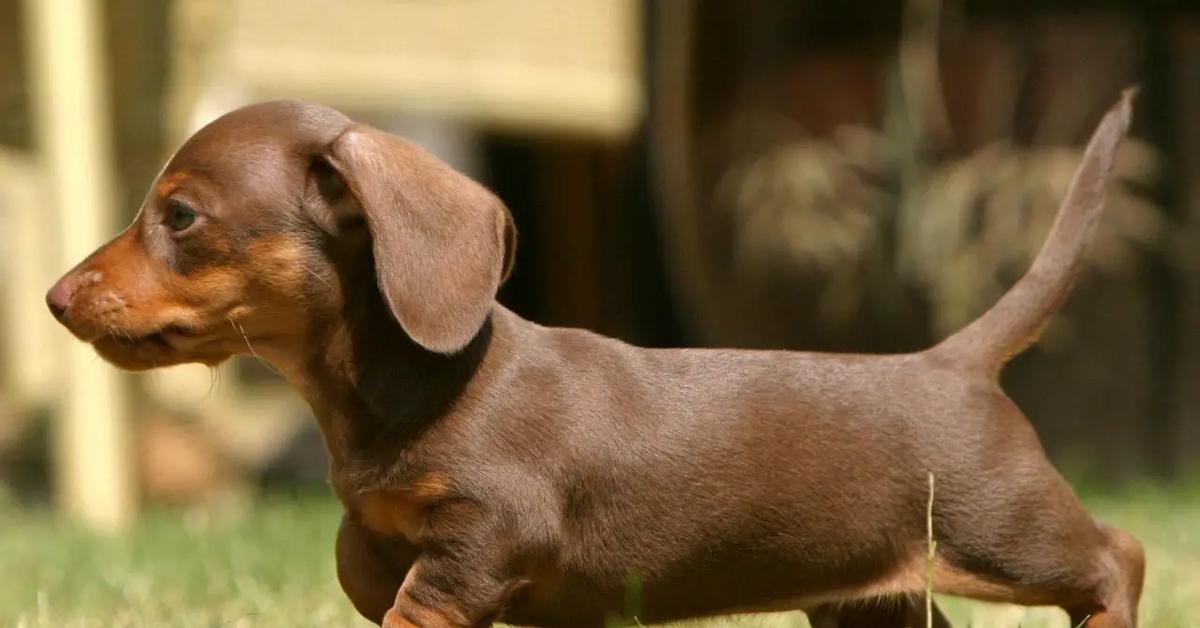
(235, 245)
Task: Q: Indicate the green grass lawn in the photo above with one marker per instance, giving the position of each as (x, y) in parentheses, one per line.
(273, 566)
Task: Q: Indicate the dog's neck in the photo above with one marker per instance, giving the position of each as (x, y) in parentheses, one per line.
(372, 388)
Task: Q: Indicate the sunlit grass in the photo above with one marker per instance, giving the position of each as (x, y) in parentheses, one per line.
(270, 567)
(273, 566)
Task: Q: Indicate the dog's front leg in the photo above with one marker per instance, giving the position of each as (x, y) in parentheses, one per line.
(463, 576)
(442, 591)
(371, 568)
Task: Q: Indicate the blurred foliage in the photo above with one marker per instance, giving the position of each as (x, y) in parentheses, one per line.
(869, 207)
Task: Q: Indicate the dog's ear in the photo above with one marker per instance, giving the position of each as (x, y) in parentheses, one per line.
(442, 243)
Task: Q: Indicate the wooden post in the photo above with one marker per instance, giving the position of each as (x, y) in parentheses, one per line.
(30, 370)
(72, 130)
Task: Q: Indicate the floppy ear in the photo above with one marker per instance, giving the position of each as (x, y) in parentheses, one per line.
(442, 243)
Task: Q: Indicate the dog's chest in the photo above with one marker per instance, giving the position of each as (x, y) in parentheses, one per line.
(400, 511)
(391, 513)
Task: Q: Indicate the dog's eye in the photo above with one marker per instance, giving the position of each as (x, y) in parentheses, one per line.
(180, 216)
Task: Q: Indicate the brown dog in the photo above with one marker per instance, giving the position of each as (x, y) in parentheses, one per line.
(492, 468)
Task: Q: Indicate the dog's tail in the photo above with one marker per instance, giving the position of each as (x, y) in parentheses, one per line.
(1018, 317)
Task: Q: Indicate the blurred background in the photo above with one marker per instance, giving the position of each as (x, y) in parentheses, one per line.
(805, 174)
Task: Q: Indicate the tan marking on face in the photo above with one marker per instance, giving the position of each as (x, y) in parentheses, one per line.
(219, 286)
(170, 182)
(128, 295)
(110, 285)
(283, 263)
(431, 487)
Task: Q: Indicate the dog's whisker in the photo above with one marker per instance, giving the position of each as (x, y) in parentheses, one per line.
(238, 327)
(316, 275)
(214, 381)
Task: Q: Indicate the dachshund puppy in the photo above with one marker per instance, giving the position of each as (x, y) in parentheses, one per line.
(495, 469)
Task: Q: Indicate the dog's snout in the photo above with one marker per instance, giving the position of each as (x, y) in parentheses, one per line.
(60, 295)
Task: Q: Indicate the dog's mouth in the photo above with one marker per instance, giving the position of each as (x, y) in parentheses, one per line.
(162, 337)
(166, 345)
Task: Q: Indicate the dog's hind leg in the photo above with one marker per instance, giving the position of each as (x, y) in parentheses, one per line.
(1029, 541)
(1115, 602)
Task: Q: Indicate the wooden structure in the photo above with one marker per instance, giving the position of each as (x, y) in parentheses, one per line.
(73, 145)
(525, 65)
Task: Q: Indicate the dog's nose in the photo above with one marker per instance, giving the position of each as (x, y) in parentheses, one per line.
(59, 297)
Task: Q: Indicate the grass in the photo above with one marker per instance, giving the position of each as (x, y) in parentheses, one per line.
(273, 566)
